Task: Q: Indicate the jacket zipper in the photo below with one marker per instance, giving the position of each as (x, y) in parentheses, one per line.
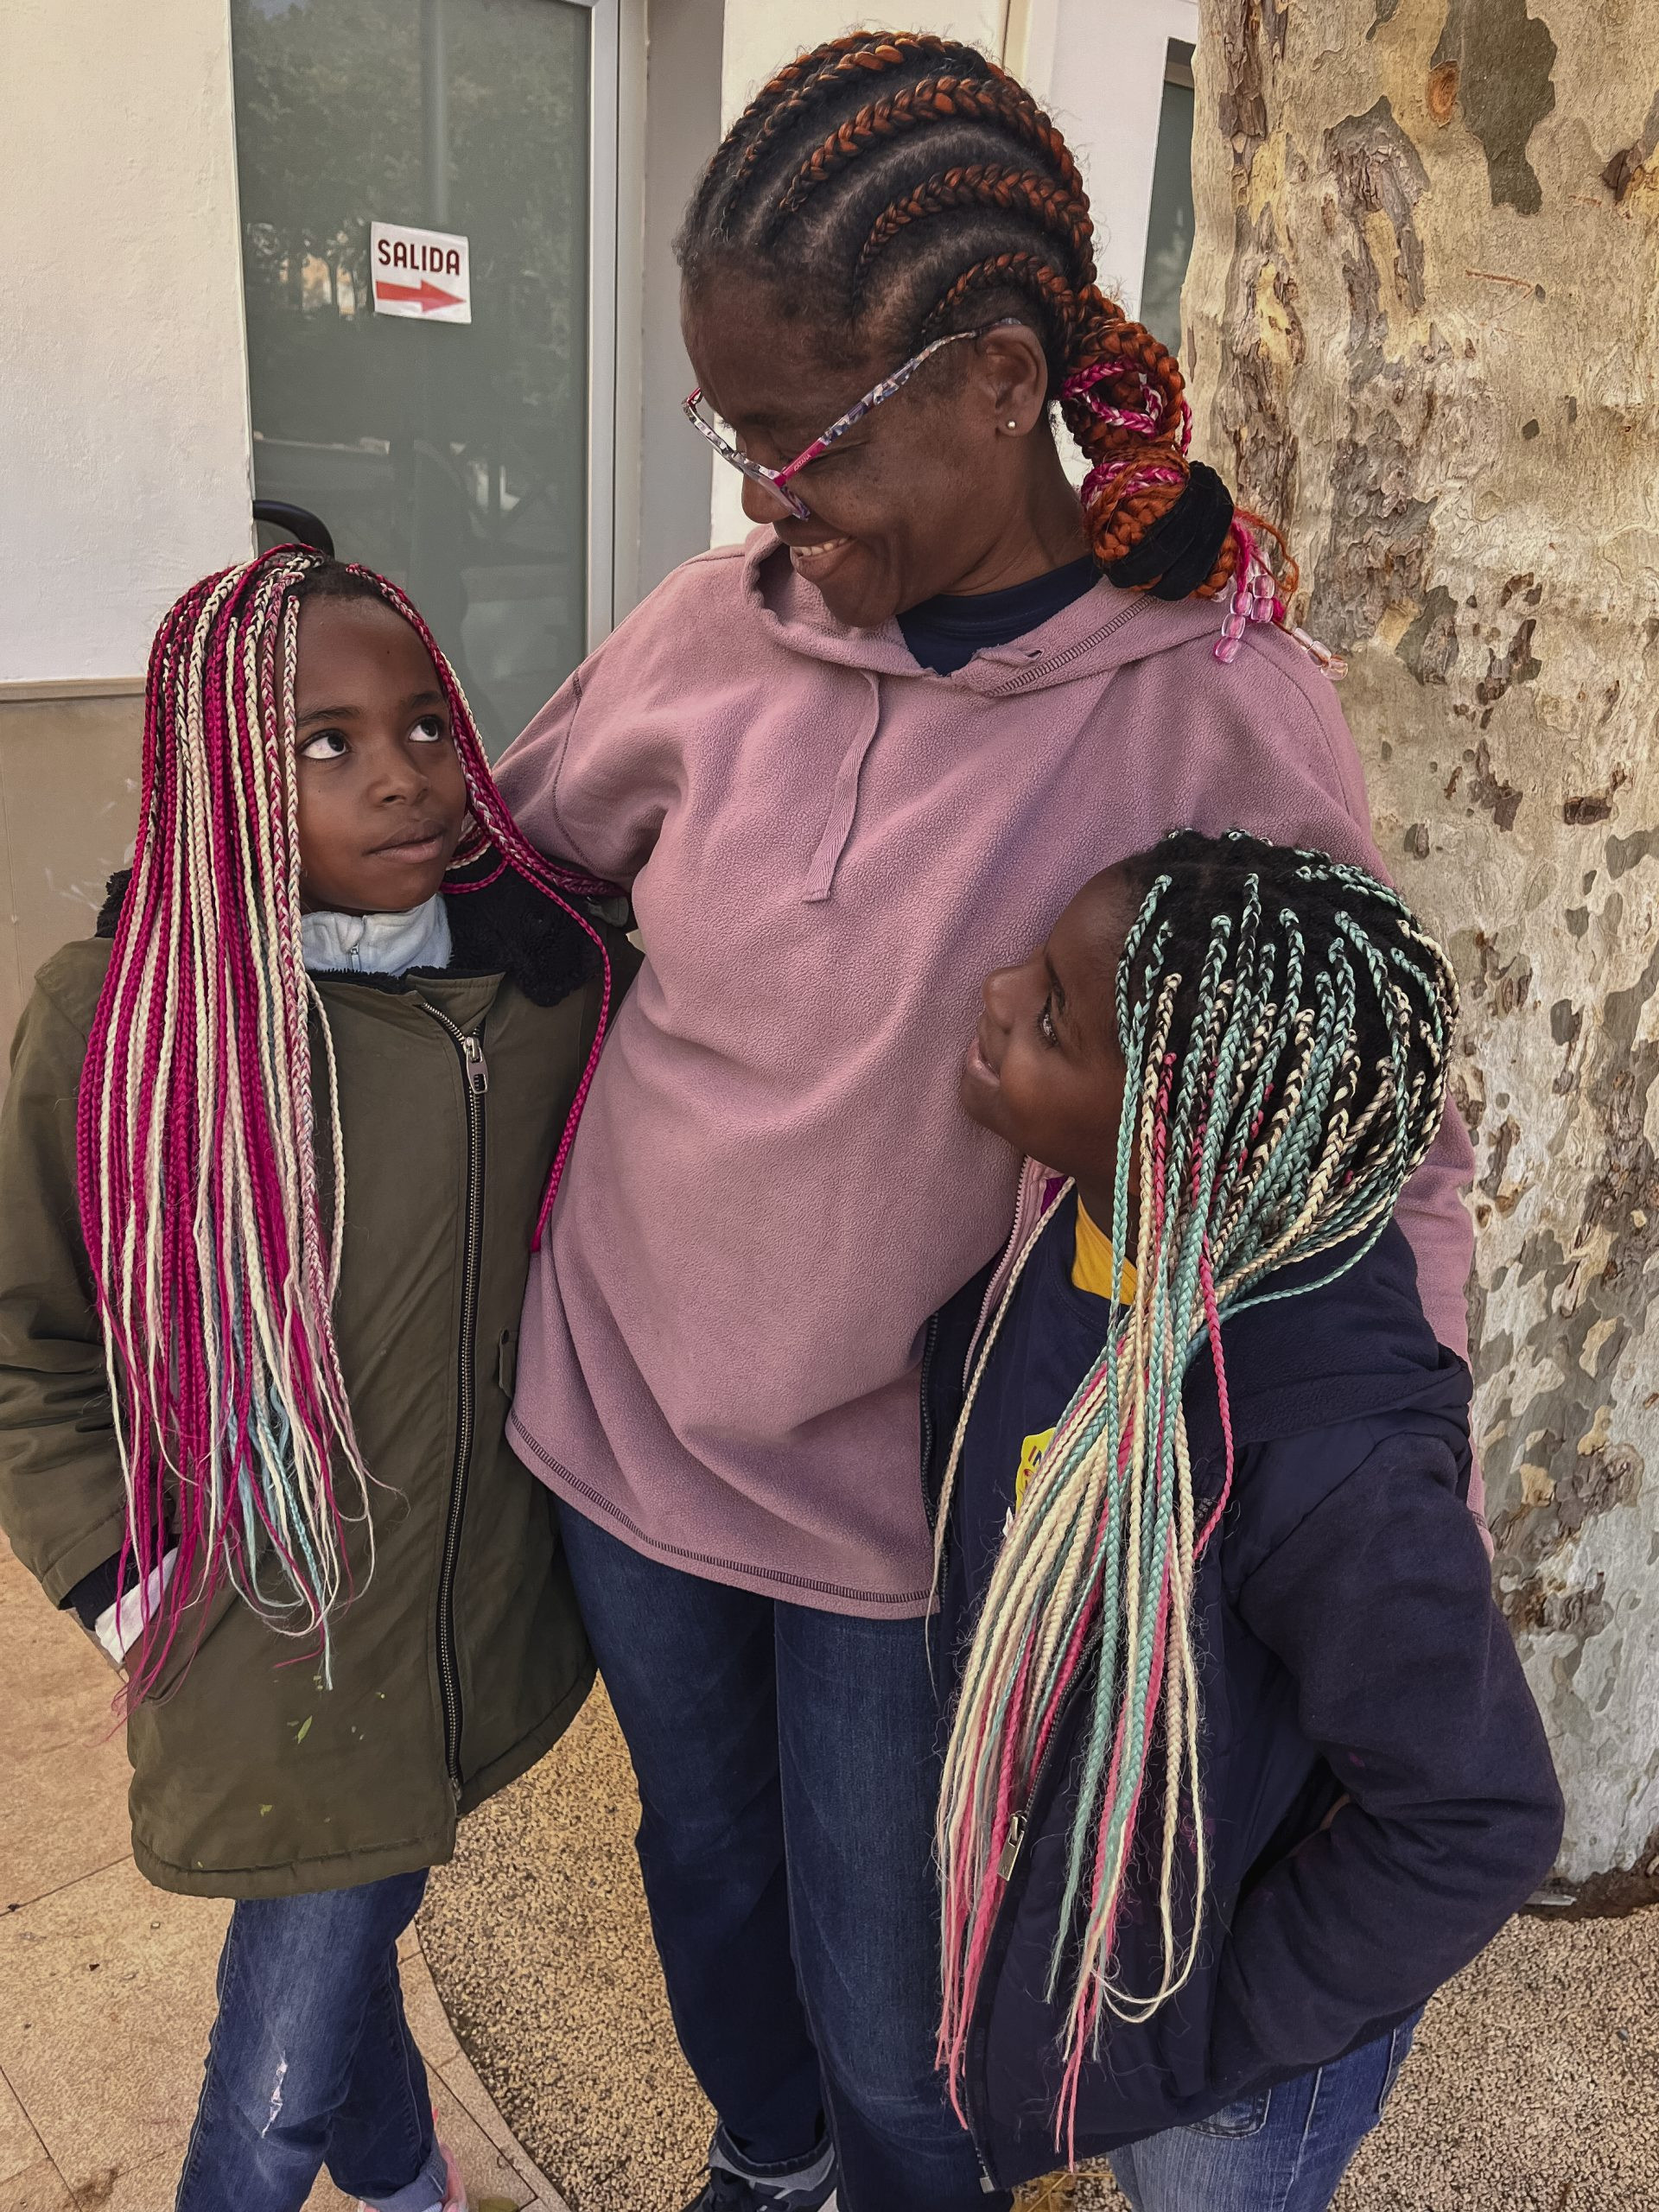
(930, 1342)
(979, 2028)
(475, 1070)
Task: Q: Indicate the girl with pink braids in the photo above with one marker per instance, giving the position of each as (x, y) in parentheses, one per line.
(276, 1146)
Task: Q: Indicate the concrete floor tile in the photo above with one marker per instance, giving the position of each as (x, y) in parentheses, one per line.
(149, 2188)
(426, 2017)
(106, 1997)
(63, 1813)
(38, 2189)
(488, 2172)
(20, 2147)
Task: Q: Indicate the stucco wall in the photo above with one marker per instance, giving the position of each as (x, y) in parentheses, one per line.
(124, 468)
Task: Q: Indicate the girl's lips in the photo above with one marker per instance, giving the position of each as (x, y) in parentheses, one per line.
(411, 849)
(975, 1067)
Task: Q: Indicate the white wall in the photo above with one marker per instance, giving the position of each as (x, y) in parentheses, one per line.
(1098, 66)
(124, 467)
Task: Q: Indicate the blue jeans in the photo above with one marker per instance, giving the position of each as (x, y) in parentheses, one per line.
(312, 2062)
(1284, 2151)
(788, 1768)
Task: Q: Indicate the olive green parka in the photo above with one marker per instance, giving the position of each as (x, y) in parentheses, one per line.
(461, 1659)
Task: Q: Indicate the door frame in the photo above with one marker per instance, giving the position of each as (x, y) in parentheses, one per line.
(606, 549)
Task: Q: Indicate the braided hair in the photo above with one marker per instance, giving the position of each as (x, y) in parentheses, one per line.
(1285, 1023)
(898, 187)
(214, 1265)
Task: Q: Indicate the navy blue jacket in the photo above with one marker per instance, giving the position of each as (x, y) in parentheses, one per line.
(1349, 1650)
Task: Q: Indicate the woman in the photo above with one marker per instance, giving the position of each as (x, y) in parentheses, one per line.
(848, 768)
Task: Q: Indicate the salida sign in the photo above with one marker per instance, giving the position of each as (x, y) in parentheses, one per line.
(420, 273)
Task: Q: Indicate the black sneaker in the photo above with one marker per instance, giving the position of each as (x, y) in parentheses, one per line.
(735, 2186)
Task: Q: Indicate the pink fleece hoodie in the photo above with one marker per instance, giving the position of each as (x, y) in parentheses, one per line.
(773, 1186)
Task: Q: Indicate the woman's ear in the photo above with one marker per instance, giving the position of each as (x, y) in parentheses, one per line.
(1015, 376)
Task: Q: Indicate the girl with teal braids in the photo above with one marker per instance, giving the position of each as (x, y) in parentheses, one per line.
(1242, 1763)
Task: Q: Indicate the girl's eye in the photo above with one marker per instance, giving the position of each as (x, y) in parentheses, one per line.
(1045, 1023)
(327, 745)
(431, 729)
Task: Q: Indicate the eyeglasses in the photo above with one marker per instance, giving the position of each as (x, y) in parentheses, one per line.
(778, 479)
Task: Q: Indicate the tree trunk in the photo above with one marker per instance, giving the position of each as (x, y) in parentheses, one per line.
(1422, 330)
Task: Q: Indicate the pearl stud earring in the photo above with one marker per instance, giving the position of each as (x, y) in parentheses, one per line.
(1013, 425)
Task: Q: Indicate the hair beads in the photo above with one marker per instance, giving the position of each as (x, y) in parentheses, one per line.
(1285, 1023)
(899, 186)
(213, 1268)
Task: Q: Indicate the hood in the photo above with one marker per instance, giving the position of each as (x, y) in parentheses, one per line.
(1339, 1352)
(500, 923)
(1103, 630)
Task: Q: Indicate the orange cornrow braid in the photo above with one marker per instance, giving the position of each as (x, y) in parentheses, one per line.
(1016, 191)
(868, 54)
(935, 100)
(791, 73)
(1026, 272)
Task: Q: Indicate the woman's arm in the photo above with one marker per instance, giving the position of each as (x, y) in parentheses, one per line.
(62, 1502)
(592, 775)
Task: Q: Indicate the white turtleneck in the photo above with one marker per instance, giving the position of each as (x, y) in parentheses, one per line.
(377, 945)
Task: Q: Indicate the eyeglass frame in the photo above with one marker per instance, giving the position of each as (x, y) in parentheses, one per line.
(776, 480)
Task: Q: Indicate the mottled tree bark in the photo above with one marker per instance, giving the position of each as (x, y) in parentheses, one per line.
(1423, 335)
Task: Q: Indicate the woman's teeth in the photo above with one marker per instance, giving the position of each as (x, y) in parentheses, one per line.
(817, 552)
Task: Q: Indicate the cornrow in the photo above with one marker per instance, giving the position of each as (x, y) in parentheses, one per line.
(983, 183)
(871, 56)
(1285, 1023)
(935, 101)
(949, 195)
(198, 1127)
(1028, 271)
(737, 140)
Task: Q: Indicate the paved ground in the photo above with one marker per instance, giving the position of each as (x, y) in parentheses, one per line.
(106, 1984)
(1533, 2087)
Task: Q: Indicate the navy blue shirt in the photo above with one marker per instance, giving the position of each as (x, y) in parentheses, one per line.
(944, 633)
(1049, 1342)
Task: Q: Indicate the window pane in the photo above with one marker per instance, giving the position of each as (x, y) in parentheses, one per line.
(451, 456)
(1169, 233)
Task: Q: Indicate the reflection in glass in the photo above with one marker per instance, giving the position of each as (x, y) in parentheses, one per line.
(1169, 231)
(453, 457)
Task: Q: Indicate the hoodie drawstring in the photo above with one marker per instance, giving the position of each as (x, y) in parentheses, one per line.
(844, 804)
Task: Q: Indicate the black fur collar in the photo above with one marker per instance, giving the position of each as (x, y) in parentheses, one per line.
(505, 927)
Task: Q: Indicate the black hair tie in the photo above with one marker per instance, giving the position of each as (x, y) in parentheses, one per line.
(1179, 552)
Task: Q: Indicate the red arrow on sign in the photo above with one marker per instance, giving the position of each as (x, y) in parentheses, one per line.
(427, 297)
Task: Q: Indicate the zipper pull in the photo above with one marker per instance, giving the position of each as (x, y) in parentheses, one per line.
(478, 1068)
(1004, 1864)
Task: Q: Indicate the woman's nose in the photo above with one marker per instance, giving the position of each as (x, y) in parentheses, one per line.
(761, 503)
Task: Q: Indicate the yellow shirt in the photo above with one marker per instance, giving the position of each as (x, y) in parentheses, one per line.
(1091, 1267)
(1091, 1270)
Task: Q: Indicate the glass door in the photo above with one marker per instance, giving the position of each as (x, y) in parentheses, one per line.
(419, 226)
